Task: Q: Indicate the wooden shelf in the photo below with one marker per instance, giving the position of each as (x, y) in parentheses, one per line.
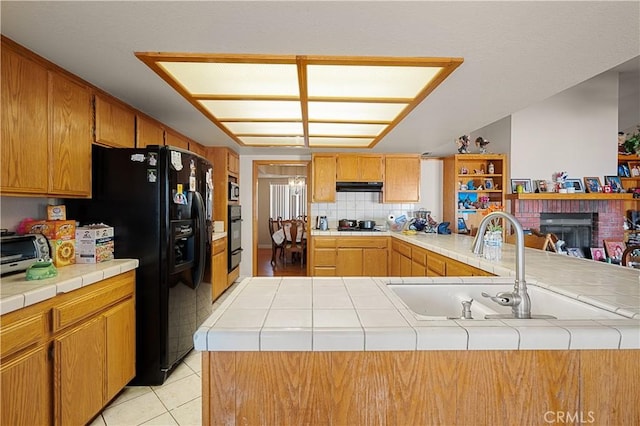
(574, 196)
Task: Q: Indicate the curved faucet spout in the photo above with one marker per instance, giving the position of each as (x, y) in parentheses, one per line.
(521, 307)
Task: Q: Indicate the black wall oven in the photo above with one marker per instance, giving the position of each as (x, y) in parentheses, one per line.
(235, 236)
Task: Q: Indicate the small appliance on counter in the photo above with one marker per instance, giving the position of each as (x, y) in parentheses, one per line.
(356, 225)
(321, 223)
(19, 252)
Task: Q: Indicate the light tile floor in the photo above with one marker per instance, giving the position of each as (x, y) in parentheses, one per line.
(177, 402)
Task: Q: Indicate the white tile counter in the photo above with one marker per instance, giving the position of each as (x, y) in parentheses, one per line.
(218, 235)
(16, 292)
(355, 314)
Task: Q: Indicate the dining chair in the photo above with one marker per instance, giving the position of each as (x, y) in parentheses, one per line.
(294, 244)
(536, 240)
(277, 240)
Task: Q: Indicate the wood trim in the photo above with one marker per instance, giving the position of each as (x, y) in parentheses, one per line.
(420, 387)
(574, 196)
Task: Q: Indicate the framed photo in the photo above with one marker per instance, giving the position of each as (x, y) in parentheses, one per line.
(525, 183)
(633, 169)
(576, 184)
(597, 253)
(592, 184)
(614, 182)
(575, 252)
(540, 185)
(614, 249)
(624, 170)
(488, 183)
(462, 226)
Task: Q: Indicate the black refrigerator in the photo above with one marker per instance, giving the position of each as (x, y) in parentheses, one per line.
(159, 201)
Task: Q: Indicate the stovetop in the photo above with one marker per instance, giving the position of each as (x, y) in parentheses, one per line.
(357, 229)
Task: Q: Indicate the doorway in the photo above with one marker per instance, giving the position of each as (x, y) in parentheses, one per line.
(284, 179)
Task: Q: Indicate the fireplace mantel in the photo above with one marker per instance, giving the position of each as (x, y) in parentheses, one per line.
(574, 196)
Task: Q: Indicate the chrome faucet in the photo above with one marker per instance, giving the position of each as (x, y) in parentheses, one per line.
(518, 299)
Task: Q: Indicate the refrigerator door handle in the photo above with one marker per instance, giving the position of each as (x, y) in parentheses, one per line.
(201, 244)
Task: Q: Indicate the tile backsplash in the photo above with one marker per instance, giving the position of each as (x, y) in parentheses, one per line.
(359, 206)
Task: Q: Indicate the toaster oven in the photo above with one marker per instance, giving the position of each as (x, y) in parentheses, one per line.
(21, 251)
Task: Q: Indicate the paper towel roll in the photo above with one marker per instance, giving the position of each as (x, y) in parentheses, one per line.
(391, 218)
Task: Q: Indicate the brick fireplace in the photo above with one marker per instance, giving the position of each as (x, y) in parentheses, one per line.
(608, 215)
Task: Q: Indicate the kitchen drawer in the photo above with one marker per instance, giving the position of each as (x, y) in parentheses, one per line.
(324, 272)
(21, 334)
(324, 257)
(324, 242)
(219, 246)
(362, 242)
(402, 248)
(419, 255)
(437, 264)
(67, 313)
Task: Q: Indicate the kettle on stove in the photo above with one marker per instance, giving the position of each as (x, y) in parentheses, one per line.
(321, 223)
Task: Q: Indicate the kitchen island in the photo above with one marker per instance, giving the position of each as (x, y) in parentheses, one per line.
(346, 351)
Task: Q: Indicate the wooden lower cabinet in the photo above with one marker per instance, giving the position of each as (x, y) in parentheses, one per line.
(26, 389)
(78, 353)
(350, 256)
(218, 274)
(408, 260)
(400, 259)
(79, 373)
(377, 257)
(422, 387)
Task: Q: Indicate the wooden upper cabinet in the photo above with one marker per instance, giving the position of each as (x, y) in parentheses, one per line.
(323, 179)
(148, 132)
(24, 114)
(359, 168)
(46, 129)
(70, 162)
(176, 140)
(115, 124)
(402, 178)
(233, 162)
(196, 148)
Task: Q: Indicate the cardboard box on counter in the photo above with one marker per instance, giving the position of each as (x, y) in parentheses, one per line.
(94, 244)
(63, 252)
(52, 229)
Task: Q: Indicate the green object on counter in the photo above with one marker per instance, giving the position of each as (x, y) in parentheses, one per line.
(41, 271)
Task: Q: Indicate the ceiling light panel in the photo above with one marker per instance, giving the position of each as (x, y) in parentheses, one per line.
(272, 141)
(315, 101)
(339, 142)
(265, 128)
(239, 79)
(354, 111)
(282, 110)
(360, 81)
(345, 129)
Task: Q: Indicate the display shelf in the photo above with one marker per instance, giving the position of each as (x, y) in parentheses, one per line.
(574, 196)
(458, 170)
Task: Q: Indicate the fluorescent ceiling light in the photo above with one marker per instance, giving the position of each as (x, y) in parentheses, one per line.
(313, 101)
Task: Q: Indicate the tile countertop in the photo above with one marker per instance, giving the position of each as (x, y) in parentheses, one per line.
(16, 292)
(361, 313)
(218, 235)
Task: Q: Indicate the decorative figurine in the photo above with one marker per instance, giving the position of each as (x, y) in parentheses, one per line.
(481, 143)
(463, 144)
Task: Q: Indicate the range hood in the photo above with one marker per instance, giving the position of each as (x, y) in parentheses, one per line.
(359, 186)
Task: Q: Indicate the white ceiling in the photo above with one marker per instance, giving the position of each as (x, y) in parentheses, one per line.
(515, 53)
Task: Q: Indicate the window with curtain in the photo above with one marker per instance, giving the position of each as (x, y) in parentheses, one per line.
(287, 201)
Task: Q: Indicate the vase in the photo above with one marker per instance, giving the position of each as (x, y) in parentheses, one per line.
(492, 249)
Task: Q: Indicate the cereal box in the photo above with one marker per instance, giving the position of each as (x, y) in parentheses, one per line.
(52, 229)
(57, 212)
(94, 244)
(63, 252)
